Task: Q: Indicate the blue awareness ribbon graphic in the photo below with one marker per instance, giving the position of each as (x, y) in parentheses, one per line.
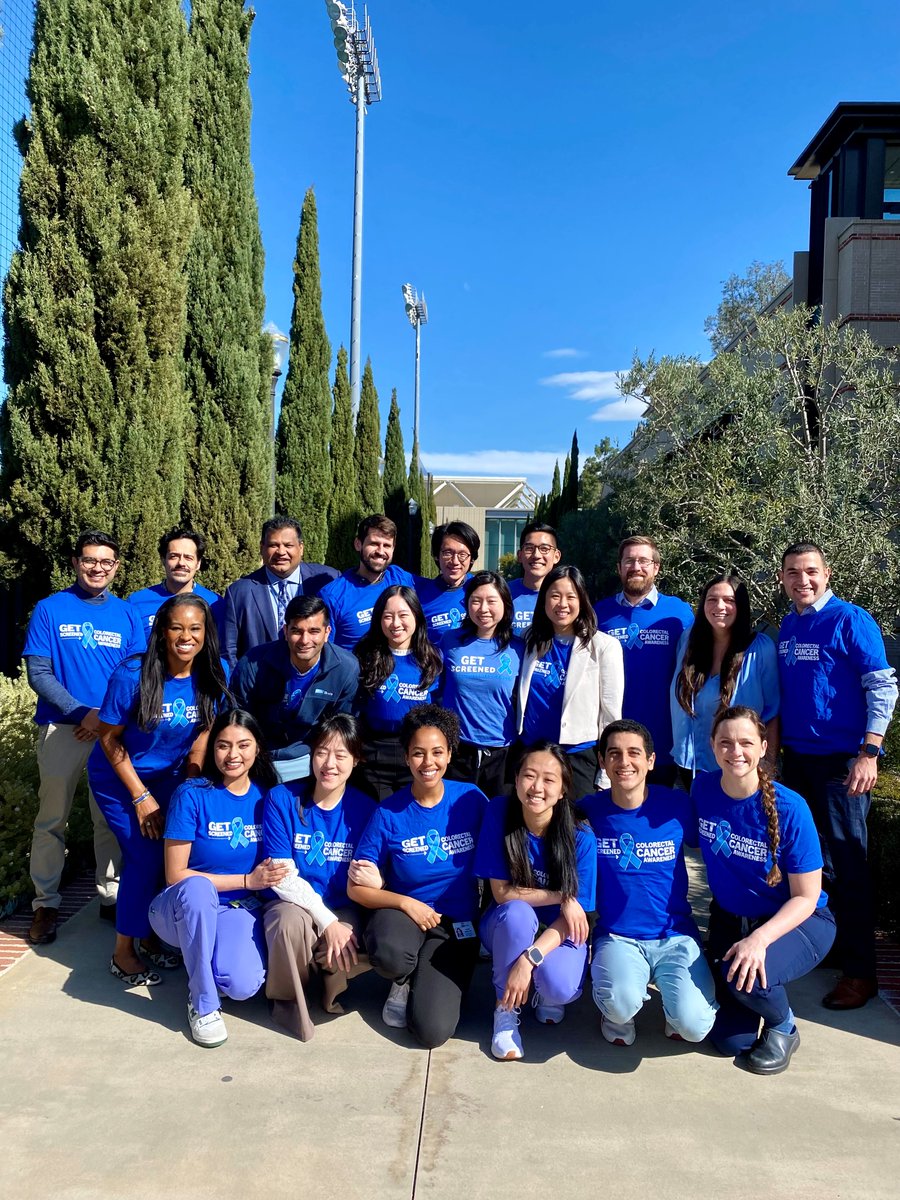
(627, 856)
(505, 664)
(179, 713)
(791, 656)
(392, 688)
(88, 641)
(633, 633)
(455, 618)
(436, 851)
(555, 680)
(720, 845)
(238, 837)
(315, 855)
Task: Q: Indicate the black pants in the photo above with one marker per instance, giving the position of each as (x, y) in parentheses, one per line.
(585, 767)
(437, 965)
(383, 770)
(485, 766)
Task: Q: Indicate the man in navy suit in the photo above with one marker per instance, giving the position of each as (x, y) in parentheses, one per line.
(255, 605)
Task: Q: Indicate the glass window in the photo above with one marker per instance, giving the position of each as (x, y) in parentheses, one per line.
(892, 181)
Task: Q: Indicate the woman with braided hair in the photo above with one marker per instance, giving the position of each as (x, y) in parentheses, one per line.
(769, 920)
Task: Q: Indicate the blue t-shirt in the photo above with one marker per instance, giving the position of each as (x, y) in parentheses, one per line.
(524, 600)
(756, 687)
(148, 602)
(429, 853)
(443, 606)
(735, 846)
(649, 635)
(321, 842)
(822, 657)
(491, 861)
(543, 708)
(152, 751)
(350, 600)
(85, 641)
(298, 684)
(226, 830)
(642, 883)
(401, 691)
(480, 686)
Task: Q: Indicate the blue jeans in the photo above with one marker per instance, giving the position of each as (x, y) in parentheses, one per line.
(622, 968)
(841, 822)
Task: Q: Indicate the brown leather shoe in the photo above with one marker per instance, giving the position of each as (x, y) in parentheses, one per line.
(850, 992)
(43, 927)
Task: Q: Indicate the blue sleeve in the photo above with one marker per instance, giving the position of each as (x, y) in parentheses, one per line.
(183, 820)
(800, 850)
(39, 639)
(586, 866)
(277, 839)
(769, 682)
(690, 823)
(864, 645)
(138, 637)
(41, 680)
(490, 854)
(373, 844)
(120, 702)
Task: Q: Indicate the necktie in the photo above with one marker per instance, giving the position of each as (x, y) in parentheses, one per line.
(282, 602)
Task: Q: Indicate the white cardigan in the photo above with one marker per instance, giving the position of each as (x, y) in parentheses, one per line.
(593, 691)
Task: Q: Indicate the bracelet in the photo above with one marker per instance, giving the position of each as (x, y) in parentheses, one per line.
(246, 889)
(145, 794)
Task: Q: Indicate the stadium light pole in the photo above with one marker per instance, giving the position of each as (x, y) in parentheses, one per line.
(417, 313)
(358, 65)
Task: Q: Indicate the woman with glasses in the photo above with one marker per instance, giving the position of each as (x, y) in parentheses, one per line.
(454, 548)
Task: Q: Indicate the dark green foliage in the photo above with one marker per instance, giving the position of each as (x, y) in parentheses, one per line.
(429, 520)
(743, 297)
(228, 360)
(394, 481)
(884, 851)
(367, 449)
(595, 474)
(419, 563)
(344, 507)
(569, 500)
(303, 482)
(94, 427)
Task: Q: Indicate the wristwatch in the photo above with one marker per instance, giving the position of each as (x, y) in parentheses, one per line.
(534, 956)
(870, 750)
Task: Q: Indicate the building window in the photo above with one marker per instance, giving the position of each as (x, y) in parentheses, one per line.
(501, 535)
(892, 181)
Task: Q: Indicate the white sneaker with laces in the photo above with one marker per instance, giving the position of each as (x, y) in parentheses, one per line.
(672, 1033)
(506, 1043)
(547, 1014)
(394, 1011)
(208, 1030)
(617, 1035)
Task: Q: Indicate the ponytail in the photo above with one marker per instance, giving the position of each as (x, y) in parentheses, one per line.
(767, 792)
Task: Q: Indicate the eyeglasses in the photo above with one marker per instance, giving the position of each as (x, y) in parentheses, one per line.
(637, 562)
(105, 564)
(533, 551)
(460, 556)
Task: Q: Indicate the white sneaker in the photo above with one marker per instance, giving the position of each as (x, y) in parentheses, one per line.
(506, 1043)
(394, 1011)
(672, 1033)
(617, 1035)
(208, 1030)
(547, 1014)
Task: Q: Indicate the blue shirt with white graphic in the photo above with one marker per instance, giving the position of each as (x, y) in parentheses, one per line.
(320, 841)
(491, 861)
(642, 883)
(401, 691)
(225, 830)
(735, 846)
(85, 641)
(543, 708)
(429, 853)
(298, 684)
(350, 600)
(823, 658)
(148, 602)
(524, 601)
(649, 633)
(479, 686)
(443, 606)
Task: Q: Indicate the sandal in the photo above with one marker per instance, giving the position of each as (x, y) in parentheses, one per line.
(150, 978)
(167, 960)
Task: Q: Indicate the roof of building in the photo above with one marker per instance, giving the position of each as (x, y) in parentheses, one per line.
(848, 117)
(503, 492)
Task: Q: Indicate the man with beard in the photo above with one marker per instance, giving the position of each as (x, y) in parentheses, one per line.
(351, 597)
(648, 624)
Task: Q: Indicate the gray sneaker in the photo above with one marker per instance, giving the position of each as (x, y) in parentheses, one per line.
(208, 1030)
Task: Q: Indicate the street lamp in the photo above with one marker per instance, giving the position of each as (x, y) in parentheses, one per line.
(358, 65)
(280, 344)
(417, 312)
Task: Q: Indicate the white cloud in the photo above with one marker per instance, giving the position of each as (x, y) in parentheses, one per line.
(494, 462)
(564, 352)
(627, 408)
(586, 385)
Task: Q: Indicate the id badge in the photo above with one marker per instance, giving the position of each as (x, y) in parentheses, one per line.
(463, 930)
(250, 903)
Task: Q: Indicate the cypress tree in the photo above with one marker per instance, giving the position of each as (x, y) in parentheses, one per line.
(93, 429)
(394, 480)
(228, 371)
(564, 492)
(553, 498)
(303, 484)
(344, 507)
(415, 490)
(429, 521)
(570, 486)
(367, 450)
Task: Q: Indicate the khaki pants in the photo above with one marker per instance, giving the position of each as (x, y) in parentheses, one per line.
(61, 759)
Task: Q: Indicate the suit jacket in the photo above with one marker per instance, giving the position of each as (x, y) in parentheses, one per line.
(248, 619)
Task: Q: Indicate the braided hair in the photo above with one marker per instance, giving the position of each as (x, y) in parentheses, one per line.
(740, 712)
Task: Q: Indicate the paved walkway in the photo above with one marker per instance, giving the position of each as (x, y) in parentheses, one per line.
(103, 1095)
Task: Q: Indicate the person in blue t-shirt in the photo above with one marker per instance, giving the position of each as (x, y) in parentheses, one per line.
(351, 597)
(215, 865)
(454, 548)
(154, 723)
(416, 870)
(645, 932)
(648, 625)
(313, 827)
(75, 640)
(541, 866)
(769, 921)
(182, 551)
(838, 695)
(722, 660)
(538, 555)
(481, 669)
(399, 667)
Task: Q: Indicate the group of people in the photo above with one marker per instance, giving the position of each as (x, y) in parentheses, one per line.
(322, 773)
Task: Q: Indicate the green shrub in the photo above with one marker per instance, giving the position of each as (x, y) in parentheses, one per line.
(18, 796)
(884, 851)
